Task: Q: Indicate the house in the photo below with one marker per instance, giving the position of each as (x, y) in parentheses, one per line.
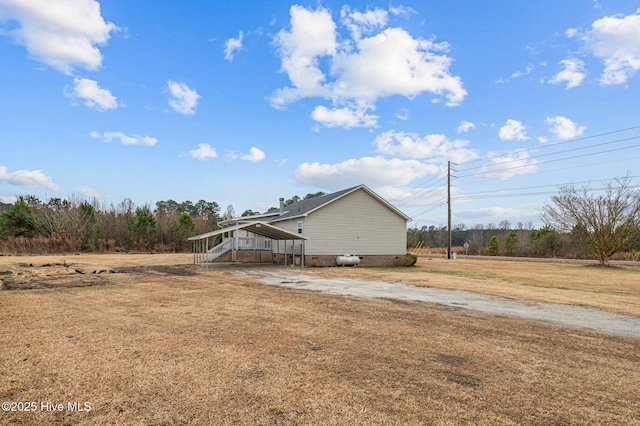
(313, 232)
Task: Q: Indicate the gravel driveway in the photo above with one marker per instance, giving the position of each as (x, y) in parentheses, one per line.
(572, 315)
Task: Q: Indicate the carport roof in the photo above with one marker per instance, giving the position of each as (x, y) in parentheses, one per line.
(258, 228)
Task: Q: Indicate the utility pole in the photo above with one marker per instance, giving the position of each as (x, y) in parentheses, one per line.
(448, 209)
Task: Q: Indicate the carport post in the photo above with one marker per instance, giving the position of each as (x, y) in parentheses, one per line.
(302, 254)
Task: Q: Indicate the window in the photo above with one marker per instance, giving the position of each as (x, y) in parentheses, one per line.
(300, 227)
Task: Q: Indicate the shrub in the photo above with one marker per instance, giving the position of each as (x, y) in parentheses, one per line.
(407, 260)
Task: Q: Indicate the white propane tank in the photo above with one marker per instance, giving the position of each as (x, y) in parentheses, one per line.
(347, 260)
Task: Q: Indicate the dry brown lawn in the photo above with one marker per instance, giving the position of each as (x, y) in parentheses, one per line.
(161, 343)
(615, 289)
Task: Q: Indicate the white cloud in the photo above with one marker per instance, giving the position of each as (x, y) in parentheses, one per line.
(93, 95)
(465, 126)
(563, 128)
(528, 70)
(124, 139)
(232, 45)
(203, 152)
(405, 11)
(616, 41)
(343, 117)
(373, 171)
(507, 166)
(394, 63)
(28, 178)
(573, 73)
(62, 34)
(513, 130)
(89, 192)
(359, 23)
(493, 214)
(255, 155)
(312, 35)
(183, 99)
(375, 62)
(571, 32)
(435, 148)
(403, 114)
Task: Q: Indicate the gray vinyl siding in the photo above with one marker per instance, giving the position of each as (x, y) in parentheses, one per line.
(356, 224)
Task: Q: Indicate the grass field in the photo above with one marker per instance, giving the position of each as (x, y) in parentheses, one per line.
(161, 343)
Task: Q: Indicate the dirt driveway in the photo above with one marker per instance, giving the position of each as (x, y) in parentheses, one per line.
(572, 315)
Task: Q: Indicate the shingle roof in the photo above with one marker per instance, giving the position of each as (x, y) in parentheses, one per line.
(304, 207)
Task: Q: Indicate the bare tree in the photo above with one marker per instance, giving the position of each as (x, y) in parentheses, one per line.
(606, 222)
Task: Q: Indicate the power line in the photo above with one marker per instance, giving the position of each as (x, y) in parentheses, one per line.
(422, 192)
(556, 153)
(545, 146)
(403, 200)
(526, 191)
(543, 186)
(549, 161)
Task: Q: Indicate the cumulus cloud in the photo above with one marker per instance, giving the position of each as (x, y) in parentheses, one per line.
(359, 23)
(124, 139)
(28, 178)
(434, 148)
(183, 99)
(62, 34)
(571, 32)
(394, 63)
(513, 130)
(377, 61)
(489, 214)
(312, 36)
(405, 11)
(203, 152)
(93, 95)
(573, 73)
(232, 45)
(374, 171)
(507, 166)
(89, 192)
(255, 155)
(465, 126)
(616, 41)
(343, 117)
(563, 128)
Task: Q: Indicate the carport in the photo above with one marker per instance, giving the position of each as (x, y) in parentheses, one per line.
(205, 251)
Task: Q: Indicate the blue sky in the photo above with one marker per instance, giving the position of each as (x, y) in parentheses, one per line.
(245, 102)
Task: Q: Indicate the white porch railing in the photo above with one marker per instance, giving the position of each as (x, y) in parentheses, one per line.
(219, 250)
(240, 243)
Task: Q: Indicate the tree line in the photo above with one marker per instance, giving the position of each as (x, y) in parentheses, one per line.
(525, 241)
(74, 224)
(578, 223)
